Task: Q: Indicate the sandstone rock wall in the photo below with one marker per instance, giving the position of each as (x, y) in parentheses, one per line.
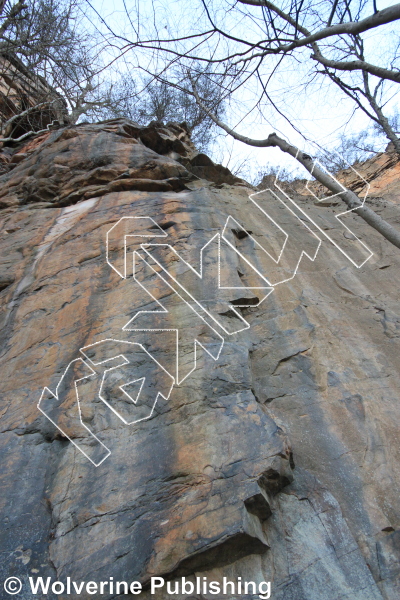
(277, 457)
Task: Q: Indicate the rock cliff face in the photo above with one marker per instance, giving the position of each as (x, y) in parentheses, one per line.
(272, 451)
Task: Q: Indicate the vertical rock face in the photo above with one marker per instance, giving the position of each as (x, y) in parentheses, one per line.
(242, 425)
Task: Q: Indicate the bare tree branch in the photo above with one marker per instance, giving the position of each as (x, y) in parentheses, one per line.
(14, 12)
(2, 5)
(358, 65)
(24, 113)
(387, 15)
(349, 197)
(24, 136)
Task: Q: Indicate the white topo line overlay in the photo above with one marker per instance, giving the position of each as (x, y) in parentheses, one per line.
(55, 396)
(140, 231)
(166, 396)
(203, 305)
(341, 214)
(163, 310)
(277, 260)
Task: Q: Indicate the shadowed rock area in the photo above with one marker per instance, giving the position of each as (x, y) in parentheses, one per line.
(276, 457)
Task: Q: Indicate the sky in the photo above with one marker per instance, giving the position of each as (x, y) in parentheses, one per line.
(315, 115)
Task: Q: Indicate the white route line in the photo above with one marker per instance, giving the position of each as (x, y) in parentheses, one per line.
(200, 273)
(85, 348)
(303, 252)
(146, 247)
(176, 330)
(160, 233)
(55, 395)
(336, 216)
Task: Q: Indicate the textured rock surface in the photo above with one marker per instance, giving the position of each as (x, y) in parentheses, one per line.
(278, 461)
